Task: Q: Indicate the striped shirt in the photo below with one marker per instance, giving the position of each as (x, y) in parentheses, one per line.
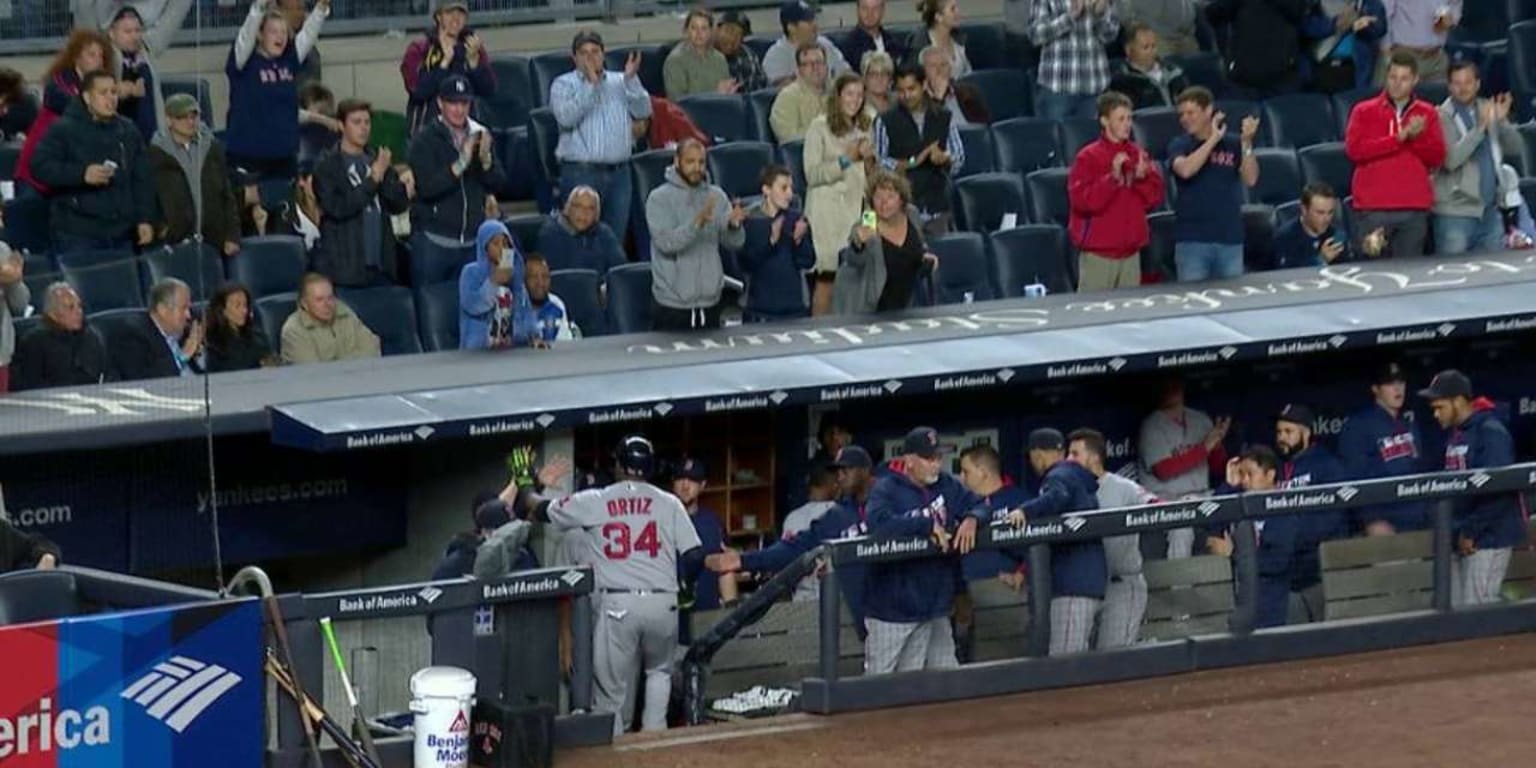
(595, 119)
(1072, 58)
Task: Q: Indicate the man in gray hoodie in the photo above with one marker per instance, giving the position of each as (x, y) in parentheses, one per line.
(690, 220)
(14, 298)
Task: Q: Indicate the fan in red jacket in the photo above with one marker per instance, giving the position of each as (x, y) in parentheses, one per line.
(1112, 185)
(1395, 142)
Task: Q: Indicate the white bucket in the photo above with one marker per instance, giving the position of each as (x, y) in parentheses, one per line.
(441, 698)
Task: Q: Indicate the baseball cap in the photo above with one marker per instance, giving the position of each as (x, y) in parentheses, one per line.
(796, 11)
(1447, 384)
(456, 88)
(1047, 439)
(852, 457)
(492, 515)
(738, 18)
(586, 36)
(692, 469)
(124, 12)
(1295, 414)
(1389, 373)
(922, 441)
(452, 5)
(181, 105)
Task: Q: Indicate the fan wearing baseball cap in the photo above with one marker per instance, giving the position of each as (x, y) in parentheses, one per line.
(1381, 440)
(455, 169)
(449, 47)
(1485, 528)
(798, 19)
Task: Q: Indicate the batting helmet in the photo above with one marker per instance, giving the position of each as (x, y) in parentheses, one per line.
(635, 456)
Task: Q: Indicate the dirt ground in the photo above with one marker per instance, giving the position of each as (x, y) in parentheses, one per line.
(1460, 704)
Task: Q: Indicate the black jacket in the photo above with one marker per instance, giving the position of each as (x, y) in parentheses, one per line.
(345, 198)
(173, 193)
(77, 140)
(930, 184)
(50, 356)
(859, 42)
(237, 352)
(447, 206)
(1265, 44)
(20, 550)
(143, 353)
(1141, 89)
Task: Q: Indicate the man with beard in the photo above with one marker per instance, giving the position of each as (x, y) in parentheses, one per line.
(1307, 463)
(1382, 441)
(690, 220)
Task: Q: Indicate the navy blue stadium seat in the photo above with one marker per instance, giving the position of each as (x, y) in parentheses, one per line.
(525, 228)
(520, 163)
(388, 311)
(80, 259)
(1434, 93)
(1048, 196)
(170, 85)
(436, 262)
(1286, 213)
(978, 151)
(981, 201)
(1028, 255)
(1170, 186)
(1528, 191)
(1300, 120)
(652, 57)
(113, 285)
(508, 107)
(792, 156)
(721, 116)
(759, 107)
(1344, 217)
(1236, 110)
(1527, 160)
(985, 44)
(1279, 176)
(1019, 52)
(629, 298)
(1204, 68)
(37, 261)
(737, 167)
(544, 134)
(10, 152)
(962, 274)
(270, 264)
(25, 325)
(26, 224)
(1076, 133)
(546, 67)
(761, 43)
(196, 264)
(37, 283)
(1258, 236)
(649, 172)
(1025, 144)
(1327, 162)
(114, 325)
(272, 311)
(1007, 92)
(1522, 68)
(437, 316)
(1155, 127)
(1157, 262)
(579, 289)
(1344, 102)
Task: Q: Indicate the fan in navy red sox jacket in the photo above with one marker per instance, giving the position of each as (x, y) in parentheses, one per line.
(1307, 464)
(1485, 527)
(1379, 442)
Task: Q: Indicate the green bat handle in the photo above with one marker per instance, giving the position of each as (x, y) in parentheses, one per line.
(330, 638)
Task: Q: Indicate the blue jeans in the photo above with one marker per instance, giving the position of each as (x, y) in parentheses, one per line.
(1197, 262)
(1059, 106)
(1460, 234)
(612, 183)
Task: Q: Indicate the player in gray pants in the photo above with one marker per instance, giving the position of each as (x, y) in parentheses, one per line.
(1125, 597)
(638, 538)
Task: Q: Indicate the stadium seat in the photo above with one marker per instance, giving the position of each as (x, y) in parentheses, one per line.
(652, 58)
(1286, 213)
(22, 326)
(978, 151)
(736, 167)
(525, 228)
(1345, 101)
(792, 156)
(1155, 127)
(26, 224)
(435, 262)
(82, 259)
(579, 289)
(269, 265)
(544, 133)
(649, 172)
(721, 116)
(37, 283)
(519, 163)
(272, 311)
(1236, 110)
(759, 107)
(1528, 191)
(1204, 68)
(1522, 68)
(1025, 144)
(629, 298)
(1048, 196)
(985, 45)
(1258, 237)
(1528, 149)
(546, 67)
(37, 261)
(981, 201)
(196, 264)
(1076, 133)
(1279, 177)
(314, 141)
(170, 85)
(1027, 255)
(1326, 162)
(1157, 262)
(1170, 186)
(1007, 92)
(1300, 120)
(508, 107)
(113, 325)
(388, 311)
(114, 285)
(1434, 93)
(1344, 218)
(962, 274)
(761, 43)
(10, 153)
(437, 316)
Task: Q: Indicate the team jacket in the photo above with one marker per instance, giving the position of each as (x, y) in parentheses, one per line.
(1109, 216)
(1078, 569)
(1482, 441)
(1314, 466)
(1276, 553)
(914, 591)
(1376, 444)
(844, 520)
(983, 564)
(1391, 174)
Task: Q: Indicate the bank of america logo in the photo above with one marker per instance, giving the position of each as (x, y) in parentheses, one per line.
(180, 689)
(1208, 508)
(1347, 492)
(430, 594)
(572, 578)
(1074, 523)
(1479, 480)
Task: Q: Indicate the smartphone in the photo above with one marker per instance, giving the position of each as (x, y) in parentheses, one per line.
(869, 219)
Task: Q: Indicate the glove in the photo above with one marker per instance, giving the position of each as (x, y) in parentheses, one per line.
(520, 464)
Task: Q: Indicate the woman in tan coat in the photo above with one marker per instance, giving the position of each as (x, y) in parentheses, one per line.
(838, 149)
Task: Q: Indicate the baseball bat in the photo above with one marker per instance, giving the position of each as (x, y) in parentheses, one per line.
(280, 634)
(313, 713)
(359, 723)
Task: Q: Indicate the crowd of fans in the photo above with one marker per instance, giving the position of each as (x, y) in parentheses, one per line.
(124, 167)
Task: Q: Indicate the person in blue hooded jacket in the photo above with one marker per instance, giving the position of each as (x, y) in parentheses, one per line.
(1379, 442)
(494, 309)
(1485, 528)
(778, 253)
(907, 604)
(1307, 464)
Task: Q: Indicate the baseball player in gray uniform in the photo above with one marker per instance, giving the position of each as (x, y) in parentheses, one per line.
(1177, 447)
(1125, 598)
(635, 537)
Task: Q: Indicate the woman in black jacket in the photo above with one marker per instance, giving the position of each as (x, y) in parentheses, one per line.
(235, 342)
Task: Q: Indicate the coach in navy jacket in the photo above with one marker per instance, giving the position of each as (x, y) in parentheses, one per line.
(1378, 442)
